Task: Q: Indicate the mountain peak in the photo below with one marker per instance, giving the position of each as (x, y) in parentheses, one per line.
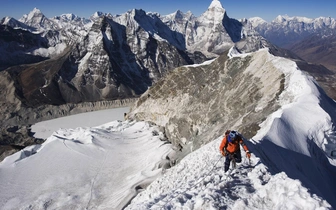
(36, 10)
(6, 20)
(286, 18)
(35, 13)
(216, 4)
(98, 14)
(215, 13)
(216, 8)
(69, 16)
(256, 21)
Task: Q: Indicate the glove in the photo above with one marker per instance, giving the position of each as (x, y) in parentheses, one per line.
(248, 154)
(223, 153)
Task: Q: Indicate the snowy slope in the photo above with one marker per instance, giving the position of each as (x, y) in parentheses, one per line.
(84, 168)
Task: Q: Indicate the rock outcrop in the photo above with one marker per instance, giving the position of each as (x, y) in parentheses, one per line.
(198, 103)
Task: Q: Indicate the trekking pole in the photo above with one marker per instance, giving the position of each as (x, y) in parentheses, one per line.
(234, 164)
(250, 164)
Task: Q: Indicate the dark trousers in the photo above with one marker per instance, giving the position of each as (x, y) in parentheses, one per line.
(237, 156)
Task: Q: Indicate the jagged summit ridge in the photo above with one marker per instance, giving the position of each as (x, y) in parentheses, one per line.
(67, 17)
(34, 14)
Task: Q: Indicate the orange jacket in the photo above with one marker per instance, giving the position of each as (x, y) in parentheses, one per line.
(232, 147)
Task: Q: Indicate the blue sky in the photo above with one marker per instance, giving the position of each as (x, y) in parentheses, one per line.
(266, 9)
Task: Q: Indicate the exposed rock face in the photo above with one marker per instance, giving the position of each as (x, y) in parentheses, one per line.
(198, 103)
(15, 42)
(17, 111)
(15, 138)
(100, 60)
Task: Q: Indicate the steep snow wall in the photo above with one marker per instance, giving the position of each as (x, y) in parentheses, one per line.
(298, 138)
(199, 102)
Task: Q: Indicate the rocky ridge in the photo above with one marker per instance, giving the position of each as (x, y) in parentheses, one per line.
(237, 93)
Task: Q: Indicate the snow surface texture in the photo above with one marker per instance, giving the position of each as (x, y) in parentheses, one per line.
(199, 182)
(102, 167)
(84, 168)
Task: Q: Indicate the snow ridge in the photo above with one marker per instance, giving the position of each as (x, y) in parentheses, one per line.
(199, 182)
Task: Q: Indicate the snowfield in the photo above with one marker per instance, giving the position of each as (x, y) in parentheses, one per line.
(84, 168)
(104, 167)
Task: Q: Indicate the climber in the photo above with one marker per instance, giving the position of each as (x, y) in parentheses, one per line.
(230, 148)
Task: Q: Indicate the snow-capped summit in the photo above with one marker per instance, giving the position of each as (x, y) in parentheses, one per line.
(178, 15)
(214, 14)
(37, 20)
(12, 22)
(213, 32)
(96, 15)
(68, 16)
(215, 4)
(6, 20)
(328, 21)
(70, 20)
(285, 18)
(34, 14)
(178, 21)
(256, 21)
(279, 19)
